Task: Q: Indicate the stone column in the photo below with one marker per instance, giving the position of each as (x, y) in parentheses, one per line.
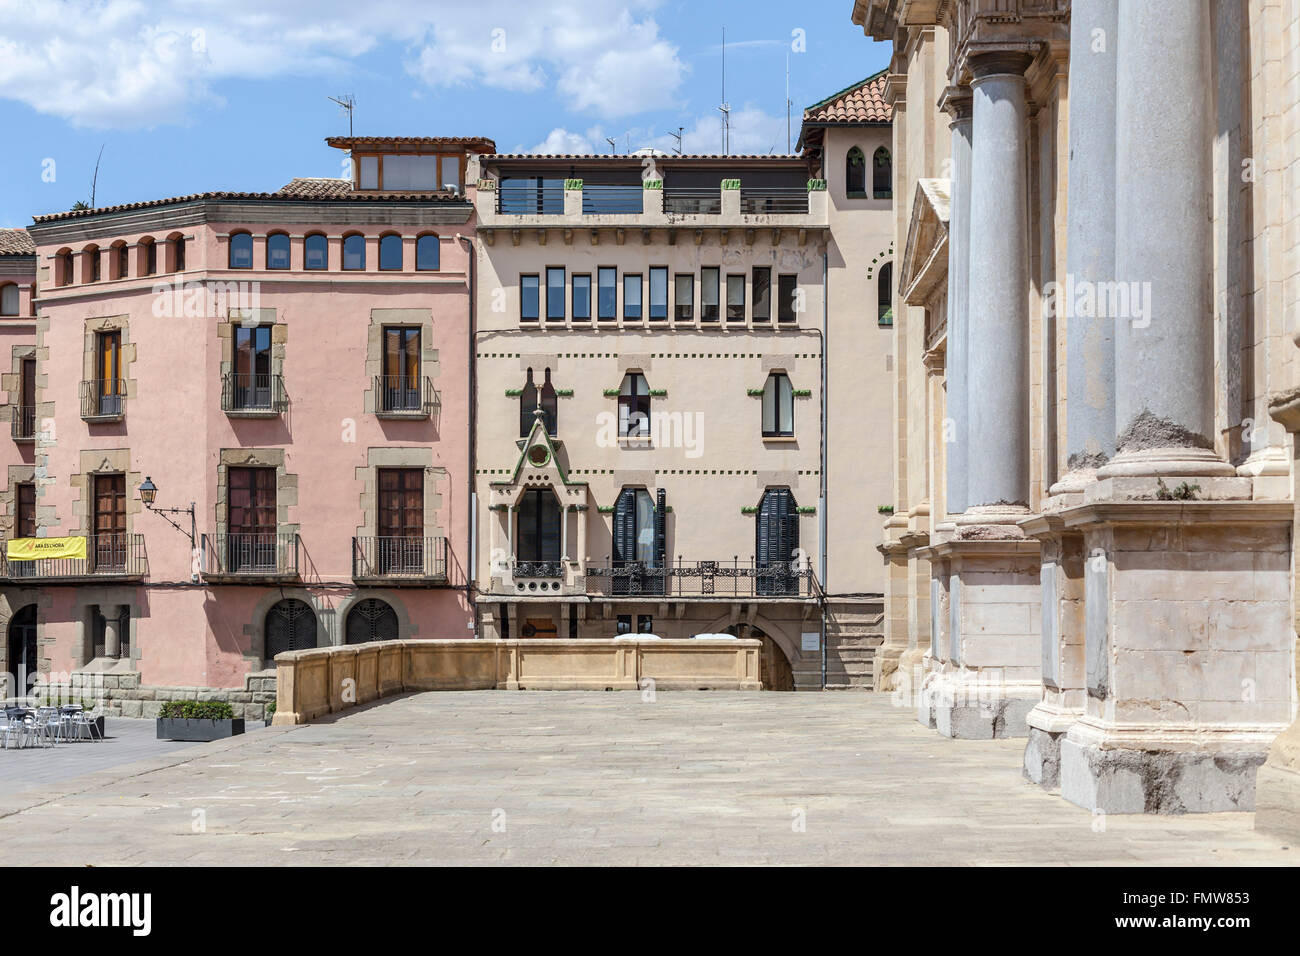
(112, 640)
(1090, 244)
(997, 340)
(957, 101)
(1164, 333)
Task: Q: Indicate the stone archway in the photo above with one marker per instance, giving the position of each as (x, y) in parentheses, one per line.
(776, 671)
(22, 650)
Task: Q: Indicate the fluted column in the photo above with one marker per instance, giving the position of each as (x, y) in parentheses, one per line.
(957, 101)
(1164, 346)
(1090, 243)
(997, 341)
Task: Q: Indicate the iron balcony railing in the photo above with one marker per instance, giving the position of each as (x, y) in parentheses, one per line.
(600, 199)
(536, 569)
(396, 558)
(117, 556)
(774, 199)
(402, 396)
(529, 200)
(257, 555)
(103, 399)
(22, 426)
(253, 393)
(734, 578)
(692, 200)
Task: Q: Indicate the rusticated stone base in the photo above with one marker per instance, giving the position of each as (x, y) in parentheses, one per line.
(122, 694)
(1158, 781)
(990, 719)
(1042, 762)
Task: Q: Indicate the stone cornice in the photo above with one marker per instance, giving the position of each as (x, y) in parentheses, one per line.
(1167, 513)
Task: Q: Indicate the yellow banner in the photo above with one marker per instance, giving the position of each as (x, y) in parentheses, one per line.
(33, 549)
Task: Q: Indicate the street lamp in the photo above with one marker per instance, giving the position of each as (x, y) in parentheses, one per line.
(149, 492)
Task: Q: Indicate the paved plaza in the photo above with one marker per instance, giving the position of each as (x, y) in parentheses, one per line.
(595, 778)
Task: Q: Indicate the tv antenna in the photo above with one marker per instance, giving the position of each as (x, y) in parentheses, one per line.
(787, 104)
(347, 102)
(613, 144)
(677, 136)
(725, 108)
(94, 180)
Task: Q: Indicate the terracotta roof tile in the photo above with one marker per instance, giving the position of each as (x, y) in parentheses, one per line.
(635, 157)
(315, 187)
(472, 144)
(863, 102)
(16, 242)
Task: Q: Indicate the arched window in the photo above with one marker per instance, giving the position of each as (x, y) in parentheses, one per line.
(634, 405)
(119, 261)
(638, 541)
(354, 252)
(90, 264)
(178, 253)
(316, 252)
(23, 663)
(9, 299)
(241, 251)
(277, 251)
(882, 175)
(290, 626)
(390, 253)
(527, 405)
(538, 539)
(63, 267)
(371, 620)
(426, 253)
(550, 407)
(776, 539)
(855, 174)
(531, 397)
(150, 255)
(884, 295)
(778, 406)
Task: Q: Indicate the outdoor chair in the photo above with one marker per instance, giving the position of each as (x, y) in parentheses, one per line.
(11, 727)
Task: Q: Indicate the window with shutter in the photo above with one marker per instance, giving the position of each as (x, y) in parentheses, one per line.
(290, 626)
(371, 620)
(776, 540)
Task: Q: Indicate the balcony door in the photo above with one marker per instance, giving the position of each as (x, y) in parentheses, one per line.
(109, 546)
(538, 540)
(776, 540)
(27, 400)
(637, 544)
(401, 520)
(401, 392)
(252, 385)
(251, 520)
(108, 372)
(22, 651)
(24, 525)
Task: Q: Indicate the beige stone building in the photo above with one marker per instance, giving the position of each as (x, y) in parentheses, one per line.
(1096, 302)
(653, 453)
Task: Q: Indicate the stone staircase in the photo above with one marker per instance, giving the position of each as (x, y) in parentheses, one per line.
(853, 633)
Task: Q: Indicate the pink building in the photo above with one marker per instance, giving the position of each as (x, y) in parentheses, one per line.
(296, 365)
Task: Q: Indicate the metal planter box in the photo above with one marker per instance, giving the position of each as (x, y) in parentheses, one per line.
(182, 728)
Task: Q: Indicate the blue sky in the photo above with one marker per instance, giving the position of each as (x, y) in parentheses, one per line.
(194, 95)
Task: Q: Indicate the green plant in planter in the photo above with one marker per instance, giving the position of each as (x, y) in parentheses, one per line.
(885, 509)
(270, 710)
(198, 710)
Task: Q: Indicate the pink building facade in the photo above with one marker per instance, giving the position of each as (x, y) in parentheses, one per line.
(295, 365)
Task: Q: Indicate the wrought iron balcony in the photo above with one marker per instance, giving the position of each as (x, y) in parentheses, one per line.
(22, 427)
(256, 557)
(109, 557)
(692, 200)
(771, 200)
(397, 559)
(103, 400)
(253, 395)
(706, 579)
(399, 396)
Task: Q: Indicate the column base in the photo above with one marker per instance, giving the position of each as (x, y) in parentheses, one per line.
(1277, 787)
(1048, 726)
(1158, 781)
(971, 710)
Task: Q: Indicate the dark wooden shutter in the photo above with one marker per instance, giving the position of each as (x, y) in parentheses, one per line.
(290, 626)
(776, 538)
(625, 526)
(661, 528)
(371, 620)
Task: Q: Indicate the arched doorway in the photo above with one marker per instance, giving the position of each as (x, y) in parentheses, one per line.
(371, 620)
(774, 668)
(22, 650)
(290, 626)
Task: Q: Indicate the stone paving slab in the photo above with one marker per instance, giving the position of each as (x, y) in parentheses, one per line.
(497, 777)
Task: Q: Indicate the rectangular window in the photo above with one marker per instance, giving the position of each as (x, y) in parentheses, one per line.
(607, 294)
(528, 299)
(401, 384)
(658, 293)
(26, 410)
(762, 294)
(24, 510)
(632, 296)
(369, 172)
(401, 520)
(554, 294)
(735, 298)
(778, 407)
(684, 297)
(252, 379)
(787, 289)
(411, 172)
(581, 298)
(709, 294)
(109, 389)
(451, 172)
(150, 258)
(645, 624)
(109, 549)
(251, 518)
(623, 624)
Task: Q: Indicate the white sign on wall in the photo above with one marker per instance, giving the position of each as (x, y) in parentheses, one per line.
(812, 641)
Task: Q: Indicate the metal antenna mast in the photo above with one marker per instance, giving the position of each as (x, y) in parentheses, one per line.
(725, 108)
(677, 136)
(348, 102)
(787, 104)
(613, 144)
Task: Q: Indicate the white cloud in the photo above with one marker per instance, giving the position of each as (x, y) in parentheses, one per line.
(753, 130)
(561, 140)
(132, 63)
